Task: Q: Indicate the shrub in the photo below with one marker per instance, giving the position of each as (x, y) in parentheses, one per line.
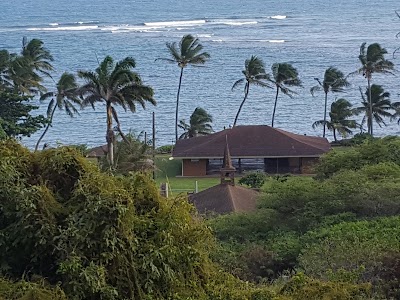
(254, 180)
(363, 251)
(368, 153)
(23, 290)
(164, 149)
(103, 237)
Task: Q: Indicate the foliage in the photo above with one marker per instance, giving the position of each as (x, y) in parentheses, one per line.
(334, 81)
(339, 122)
(254, 74)
(131, 155)
(261, 245)
(379, 103)
(3, 134)
(65, 98)
(364, 251)
(254, 180)
(302, 287)
(372, 151)
(164, 149)
(23, 73)
(284, 76)
(15, 115)
(187, 52)
(200, 124)
(23, 290)
(114, 84)
(101, 236)
(372, 59)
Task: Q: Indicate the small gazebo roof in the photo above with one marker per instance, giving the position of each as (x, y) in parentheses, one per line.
(225, 198)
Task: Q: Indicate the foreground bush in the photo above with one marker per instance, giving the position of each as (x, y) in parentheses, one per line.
(372, 151)
(103, 237)
(23, 290)
(364, 251)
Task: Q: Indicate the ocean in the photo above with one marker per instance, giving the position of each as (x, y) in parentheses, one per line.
(311, 35)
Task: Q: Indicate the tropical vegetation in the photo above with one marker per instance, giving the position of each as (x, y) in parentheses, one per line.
(200, 124)
(334, 81)
(372, 59)
(71, 229)
(187, 52)
(65, 98)
(254, 74)
(340, 226)
(284, 76)
(114, 84)
(341, 111)
(376, 108)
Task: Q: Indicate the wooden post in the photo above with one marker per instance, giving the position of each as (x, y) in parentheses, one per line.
(154, 145)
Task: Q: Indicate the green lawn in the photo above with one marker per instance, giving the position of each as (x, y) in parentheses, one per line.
(167, 170)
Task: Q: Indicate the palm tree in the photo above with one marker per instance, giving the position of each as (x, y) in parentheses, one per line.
(396, 107)
(284, 76)
(200, 124)
(65, 98)
(373, 61)
(27, 69)
(380, 104)
(187, 52)
(339, 122)
(334, 81)
(5, 60)
(114, 84)
(254, 74)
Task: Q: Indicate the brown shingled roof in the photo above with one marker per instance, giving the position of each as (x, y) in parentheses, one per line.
(251, 141)
(225, 198)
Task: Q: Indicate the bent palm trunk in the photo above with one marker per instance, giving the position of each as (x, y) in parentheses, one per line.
(276, 100)
(47, 128)
(177, 106)
(326, 103)
(241, 104)
(110, 135)
(370, 129)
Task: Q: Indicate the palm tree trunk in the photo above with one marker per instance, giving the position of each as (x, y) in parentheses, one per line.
(177, 105)
(370, 129)
(110, 135)
(241, 104)
(276, 100)
(326, 104)
(47, 128)
(334, 134)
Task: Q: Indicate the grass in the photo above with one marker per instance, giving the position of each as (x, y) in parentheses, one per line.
(167, 170)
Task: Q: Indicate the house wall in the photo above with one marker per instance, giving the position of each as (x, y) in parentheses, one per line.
(295, 165)
(307, 164)
(196, 167)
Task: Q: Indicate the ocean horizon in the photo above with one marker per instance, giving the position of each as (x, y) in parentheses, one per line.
(311, 35)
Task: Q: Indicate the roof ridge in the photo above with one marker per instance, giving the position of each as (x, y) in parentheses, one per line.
(231, 196)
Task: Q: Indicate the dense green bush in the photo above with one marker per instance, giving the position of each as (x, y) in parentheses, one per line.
(164, 149)
(101, 236)
(364, 251)
(23, 290)
(372, 151)
(264, 244)
(301, 287)
(254, 180)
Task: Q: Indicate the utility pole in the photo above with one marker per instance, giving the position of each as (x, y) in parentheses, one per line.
(154, 145)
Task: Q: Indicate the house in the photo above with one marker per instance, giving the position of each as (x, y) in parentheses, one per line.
(253, 148)
(225, 197)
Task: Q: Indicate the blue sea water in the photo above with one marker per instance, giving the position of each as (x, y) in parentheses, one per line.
(312, 35)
